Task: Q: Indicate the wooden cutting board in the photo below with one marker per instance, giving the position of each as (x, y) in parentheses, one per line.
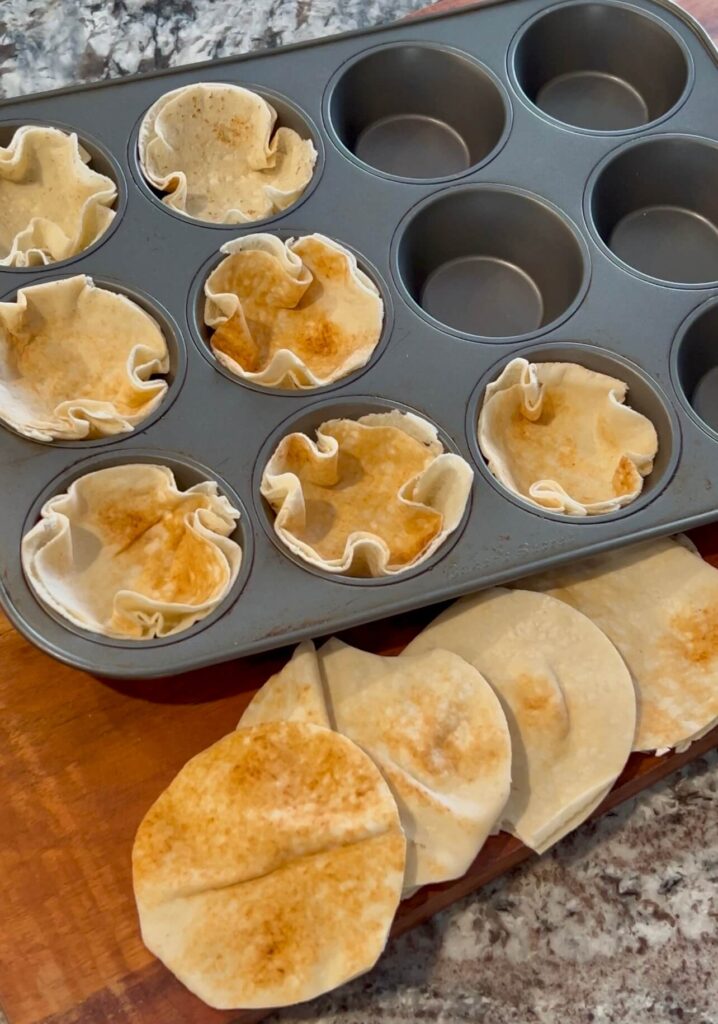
(81, 759)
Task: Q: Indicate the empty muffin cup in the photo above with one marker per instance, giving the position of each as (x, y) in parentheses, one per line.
(595, 66)
(491, 261)
(418, 111)
(655, 206)
(695, 365)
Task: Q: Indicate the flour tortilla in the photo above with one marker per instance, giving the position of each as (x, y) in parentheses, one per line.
(126, 553)
(562, 438)
(291, 314)
(53, 205)
(295, 694)
(658, 603)
(212, 147)
(434, 728)
(371, 497)
(567, 695)
(269, 870)
(76, 361)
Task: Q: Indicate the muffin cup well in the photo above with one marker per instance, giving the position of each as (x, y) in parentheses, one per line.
(491, 262)
(187, 473)
(602, 67)
(654, 207)
(644, 395)
(418, 111)
(694, 366)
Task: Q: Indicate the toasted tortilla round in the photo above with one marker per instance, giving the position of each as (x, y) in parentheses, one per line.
(433, 726)
(125, 553)
(371, 497)
(212, 147)
(269, 871)
(567, 695)
(658, 603)
(52, 204)
(294, 314)
(562, 438)
(295, 694)
(77, 361)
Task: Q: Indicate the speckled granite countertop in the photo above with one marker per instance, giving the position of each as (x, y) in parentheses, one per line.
(620, 922)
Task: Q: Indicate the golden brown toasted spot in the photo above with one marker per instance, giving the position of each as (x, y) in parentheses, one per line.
(326, 263)
(67, 357)
(234, 340)
(539, 705)
(430, 736)
(186, 569)
(362, 494)
(124, 519)
(624, 479)
(319, 338)
(234, 131)
(657, 721)
(694, 636)
(559, 446)
(543, 444)
(279, 929)
(319, 315)
(150, 532)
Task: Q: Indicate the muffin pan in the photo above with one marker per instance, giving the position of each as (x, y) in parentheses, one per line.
(510, 189)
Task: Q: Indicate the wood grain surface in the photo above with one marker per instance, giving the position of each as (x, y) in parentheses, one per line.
(81, 759)
(706, 11)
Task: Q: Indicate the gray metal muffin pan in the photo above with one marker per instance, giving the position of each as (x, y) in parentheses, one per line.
(522, 177)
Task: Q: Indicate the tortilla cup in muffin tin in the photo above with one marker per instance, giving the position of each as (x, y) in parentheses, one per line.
(570, 218)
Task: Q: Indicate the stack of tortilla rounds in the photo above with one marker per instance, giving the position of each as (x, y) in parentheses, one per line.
(294, 314)
(212, 147)
(434, 728)
(567, 696)
(271, 868)
(371, 497)
(561, 437)
(77, 361)
(126, 553)
(658, 603)
(53, 205)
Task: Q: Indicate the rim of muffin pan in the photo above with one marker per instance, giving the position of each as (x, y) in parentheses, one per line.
(308, 419)
(289, 115)
(176, 347)
(523, 206)
(447, 60)
(101, 160)
(652, 401)
(201, 333)
(623, 165)
(669, 46)
(694, 356)
(187, 472)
